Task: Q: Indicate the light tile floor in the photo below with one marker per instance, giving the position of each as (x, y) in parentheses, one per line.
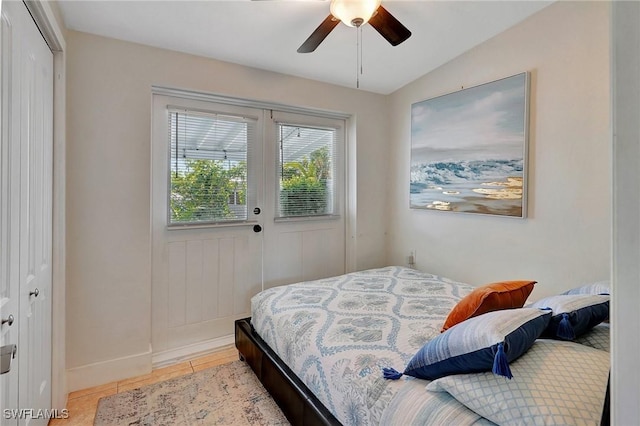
(82, 404)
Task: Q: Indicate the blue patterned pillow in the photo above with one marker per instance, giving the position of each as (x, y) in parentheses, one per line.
(555, 383)
(573, 314)
(484, 343)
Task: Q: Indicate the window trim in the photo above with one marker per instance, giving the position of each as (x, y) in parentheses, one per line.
(246, 103)
(319, 217)
(209, 225)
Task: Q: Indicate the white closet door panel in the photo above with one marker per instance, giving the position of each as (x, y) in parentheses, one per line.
(9, 217)
(26, 211)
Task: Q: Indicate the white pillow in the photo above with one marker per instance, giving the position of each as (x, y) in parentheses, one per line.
(600, 287)
(555, 382)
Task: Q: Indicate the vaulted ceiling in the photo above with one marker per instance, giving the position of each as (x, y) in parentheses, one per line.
(266, 34)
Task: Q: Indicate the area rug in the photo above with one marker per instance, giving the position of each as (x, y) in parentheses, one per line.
(228, 394)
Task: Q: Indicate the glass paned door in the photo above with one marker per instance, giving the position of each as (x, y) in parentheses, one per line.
(242, 199)
(305, 173)
(206, 184)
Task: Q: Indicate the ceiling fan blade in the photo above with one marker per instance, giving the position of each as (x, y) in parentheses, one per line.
(318, 35)
(389, 27)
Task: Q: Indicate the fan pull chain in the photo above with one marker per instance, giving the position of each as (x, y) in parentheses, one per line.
(358, 55)
(357, 58)
(361, 48)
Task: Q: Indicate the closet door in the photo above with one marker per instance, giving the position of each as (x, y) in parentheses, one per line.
(27, 141)
(9, 223)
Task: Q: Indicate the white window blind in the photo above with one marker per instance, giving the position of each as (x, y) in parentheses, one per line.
(208, 167)
(306, 171)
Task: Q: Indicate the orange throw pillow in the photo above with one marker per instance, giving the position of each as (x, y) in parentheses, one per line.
(490, 297)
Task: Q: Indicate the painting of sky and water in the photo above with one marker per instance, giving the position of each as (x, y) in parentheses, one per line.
(468, 149)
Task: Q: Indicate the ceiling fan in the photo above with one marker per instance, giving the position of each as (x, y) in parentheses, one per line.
(356, 13)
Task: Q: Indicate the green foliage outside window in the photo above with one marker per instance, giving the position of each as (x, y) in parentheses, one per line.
(207, 190)
(202, 193)
(303, 189)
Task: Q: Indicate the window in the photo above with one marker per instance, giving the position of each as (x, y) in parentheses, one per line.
(306, 171)
(208, 166)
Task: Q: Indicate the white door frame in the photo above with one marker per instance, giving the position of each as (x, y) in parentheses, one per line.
(625, 108)
(52, 31)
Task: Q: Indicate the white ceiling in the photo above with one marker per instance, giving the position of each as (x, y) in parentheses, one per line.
(266, 34)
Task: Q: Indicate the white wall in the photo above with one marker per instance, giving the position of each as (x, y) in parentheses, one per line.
(108, 189)
(566, 238)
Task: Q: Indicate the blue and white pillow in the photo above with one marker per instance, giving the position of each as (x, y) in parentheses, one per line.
(573, 314)
(488, 342)
(600, 287)
(555, 383)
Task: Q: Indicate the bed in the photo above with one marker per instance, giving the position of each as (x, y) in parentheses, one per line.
(320, 347)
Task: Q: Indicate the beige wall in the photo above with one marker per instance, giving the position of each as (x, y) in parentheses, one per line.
(566, 238)
(108, 185)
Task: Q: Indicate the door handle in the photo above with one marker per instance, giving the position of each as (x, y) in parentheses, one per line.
(257, 228)
(8, 320)
(7, 354)
(34, 293)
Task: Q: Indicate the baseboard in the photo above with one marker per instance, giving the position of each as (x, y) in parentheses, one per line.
(112, 370)
(174, 356)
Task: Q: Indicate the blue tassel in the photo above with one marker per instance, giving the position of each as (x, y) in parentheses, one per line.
(501, 363)
(391, 373)
(565, 329)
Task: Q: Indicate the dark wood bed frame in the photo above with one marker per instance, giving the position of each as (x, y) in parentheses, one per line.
(297, 402)
(293, 397)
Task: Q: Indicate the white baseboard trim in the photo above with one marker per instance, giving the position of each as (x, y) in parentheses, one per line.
(174, 356)
(112, 370)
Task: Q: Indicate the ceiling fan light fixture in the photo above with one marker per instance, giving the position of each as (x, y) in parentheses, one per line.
(354, 12)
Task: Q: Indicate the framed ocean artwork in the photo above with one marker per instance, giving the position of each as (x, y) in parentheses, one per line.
(469, 149)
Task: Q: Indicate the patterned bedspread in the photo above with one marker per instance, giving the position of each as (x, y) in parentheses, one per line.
(338, 333)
